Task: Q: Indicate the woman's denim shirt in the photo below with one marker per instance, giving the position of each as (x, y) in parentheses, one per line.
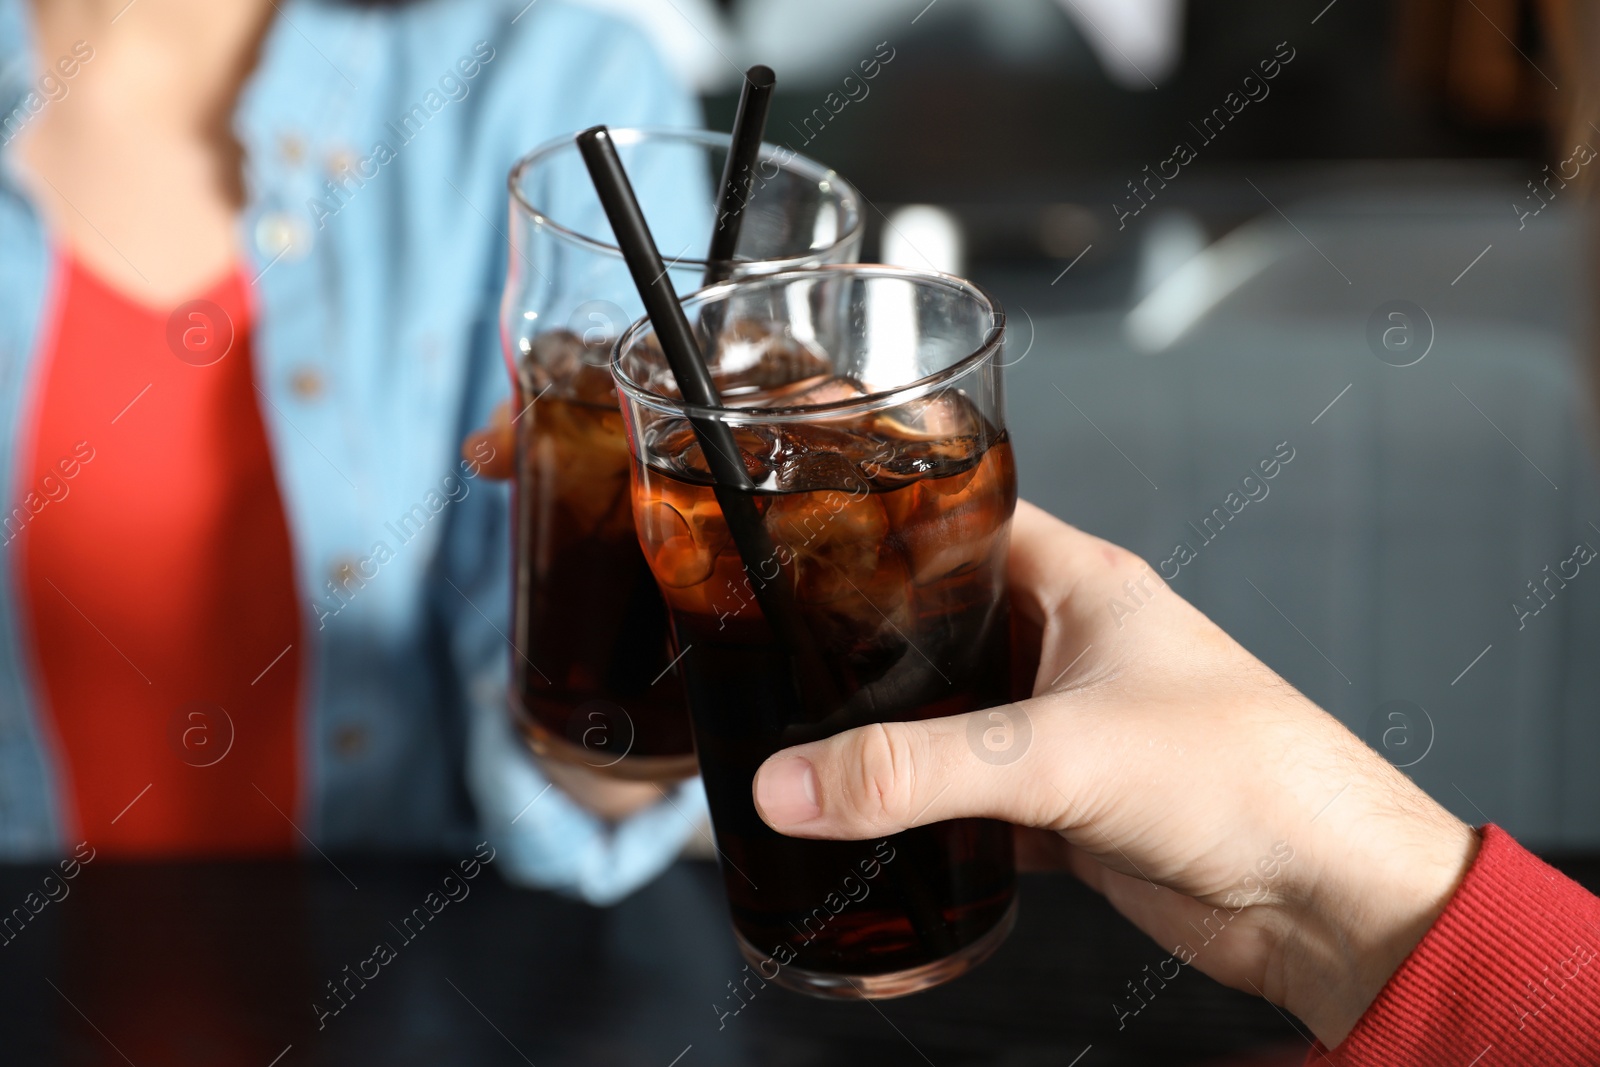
(377, 139)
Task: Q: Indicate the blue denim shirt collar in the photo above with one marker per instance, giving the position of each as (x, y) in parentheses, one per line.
(313, 61)
(18, 69)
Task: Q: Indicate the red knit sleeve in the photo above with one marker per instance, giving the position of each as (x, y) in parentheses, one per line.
(1507, 975)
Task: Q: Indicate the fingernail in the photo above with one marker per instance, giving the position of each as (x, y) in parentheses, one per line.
(786, 792)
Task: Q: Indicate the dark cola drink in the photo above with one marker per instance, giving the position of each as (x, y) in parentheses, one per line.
(593, 680)
(890, 528)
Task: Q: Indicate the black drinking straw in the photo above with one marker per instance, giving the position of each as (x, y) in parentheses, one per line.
(739, 172)
(730, 481)
(810, 675)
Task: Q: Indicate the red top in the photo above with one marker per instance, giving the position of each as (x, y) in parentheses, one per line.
(156, 575)
(1509, 974)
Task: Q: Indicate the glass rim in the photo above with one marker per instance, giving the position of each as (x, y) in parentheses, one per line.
(630, 135)
(987, 349)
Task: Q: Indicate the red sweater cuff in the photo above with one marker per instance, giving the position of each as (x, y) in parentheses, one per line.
(1509, 974)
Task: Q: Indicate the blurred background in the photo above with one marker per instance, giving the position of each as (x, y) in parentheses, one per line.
(1350, 232)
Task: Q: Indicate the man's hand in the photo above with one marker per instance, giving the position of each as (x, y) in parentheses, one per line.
(1226, 815)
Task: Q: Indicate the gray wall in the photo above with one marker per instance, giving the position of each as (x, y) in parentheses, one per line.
(1389, 552)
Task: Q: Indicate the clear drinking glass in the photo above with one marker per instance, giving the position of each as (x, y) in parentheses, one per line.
(868, 407)
(593, 682)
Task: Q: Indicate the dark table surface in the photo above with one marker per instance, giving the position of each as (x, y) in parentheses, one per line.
(160, 965)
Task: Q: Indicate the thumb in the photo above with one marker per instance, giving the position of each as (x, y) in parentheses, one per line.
(884, 778)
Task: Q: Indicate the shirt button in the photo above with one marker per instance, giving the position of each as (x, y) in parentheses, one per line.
(306, 384)
(342, 160)
(281, 235)
(292, 149)
(349, 741)
(347, 580)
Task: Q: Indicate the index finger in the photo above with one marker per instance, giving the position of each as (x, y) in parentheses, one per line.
(1053, 563)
